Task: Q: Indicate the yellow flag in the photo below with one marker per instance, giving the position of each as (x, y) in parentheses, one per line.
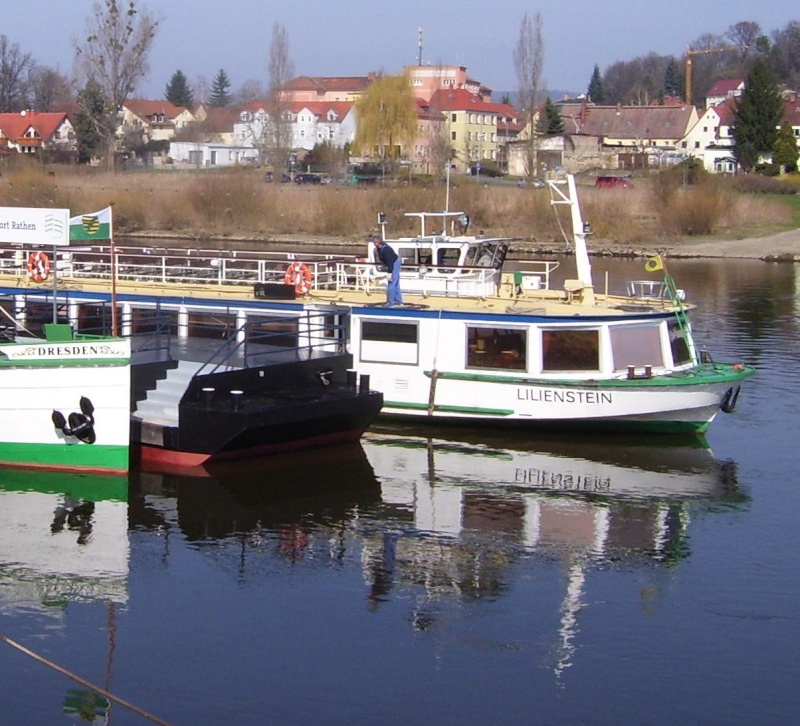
(654, 264)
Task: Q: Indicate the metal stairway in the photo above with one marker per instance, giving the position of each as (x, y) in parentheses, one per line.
(161, 404)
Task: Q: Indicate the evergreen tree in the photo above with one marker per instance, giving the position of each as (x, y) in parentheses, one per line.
(596, 92)
(784, 152)
(757, 117)
(552, 123)
(673, 82)
(91, 105)
(177, 91)
(220, 97)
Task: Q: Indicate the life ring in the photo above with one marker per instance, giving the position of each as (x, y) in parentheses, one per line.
(300, 276)
(38, 266)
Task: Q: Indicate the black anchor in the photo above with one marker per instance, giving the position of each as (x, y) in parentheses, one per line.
(80, 425)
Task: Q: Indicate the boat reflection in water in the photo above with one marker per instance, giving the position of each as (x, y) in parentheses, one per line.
(63, 538)
(442, 521)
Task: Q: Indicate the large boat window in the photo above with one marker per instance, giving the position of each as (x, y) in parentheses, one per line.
(389, 342)
(220, 326)
(636, 345)
(570, 350)
(503, 348)
(677, 341)
(447, 256)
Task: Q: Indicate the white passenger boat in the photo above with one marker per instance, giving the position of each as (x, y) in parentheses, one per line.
(478, 338)
(64, 397)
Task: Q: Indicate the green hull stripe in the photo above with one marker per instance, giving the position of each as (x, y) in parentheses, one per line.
(94, 487)
(704, 375)
(451, 409)
(65, 456)
(67, 363)
(600, 425)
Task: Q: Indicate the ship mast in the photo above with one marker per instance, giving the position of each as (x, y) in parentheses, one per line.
(580, 230)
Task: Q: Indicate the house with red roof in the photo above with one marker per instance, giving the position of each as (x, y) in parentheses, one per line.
(724, 90)
(153, 120)
(305, 89)
(29, 132)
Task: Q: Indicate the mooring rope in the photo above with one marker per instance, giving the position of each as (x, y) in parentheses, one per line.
(83, 682)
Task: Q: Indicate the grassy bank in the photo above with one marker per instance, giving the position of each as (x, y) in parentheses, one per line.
(239, 204)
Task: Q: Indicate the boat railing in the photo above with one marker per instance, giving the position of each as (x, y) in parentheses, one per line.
(178, 266)
(267, 339)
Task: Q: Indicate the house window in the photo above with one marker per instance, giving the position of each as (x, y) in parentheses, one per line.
(452, 136)
(570, 350)
(453, 118)
(498, 348)
(696, 144)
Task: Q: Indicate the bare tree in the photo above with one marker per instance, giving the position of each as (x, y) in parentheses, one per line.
(280, 70)
(114, 55)
(48, 90)
(14, 67)
(528, 63)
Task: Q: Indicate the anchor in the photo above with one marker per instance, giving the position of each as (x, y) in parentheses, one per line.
(80, 425)
(728, 404)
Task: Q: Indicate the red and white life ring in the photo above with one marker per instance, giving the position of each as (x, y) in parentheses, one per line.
(300, 276)
(38, 266)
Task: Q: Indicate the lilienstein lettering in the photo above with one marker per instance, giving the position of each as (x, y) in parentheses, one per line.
(549, 395)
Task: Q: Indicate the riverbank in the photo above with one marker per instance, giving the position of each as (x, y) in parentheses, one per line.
(780, 247)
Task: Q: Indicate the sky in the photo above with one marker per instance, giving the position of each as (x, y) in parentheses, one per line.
(355, 37)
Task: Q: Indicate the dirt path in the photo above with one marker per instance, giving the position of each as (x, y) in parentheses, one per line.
(784, 245)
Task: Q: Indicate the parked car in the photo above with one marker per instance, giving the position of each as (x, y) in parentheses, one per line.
(610, 182)
(308, 179)
(270, 177)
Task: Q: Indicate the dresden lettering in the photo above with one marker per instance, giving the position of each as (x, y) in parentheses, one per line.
(556, 395)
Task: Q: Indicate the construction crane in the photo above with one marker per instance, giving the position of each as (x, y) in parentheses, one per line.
(705, 51)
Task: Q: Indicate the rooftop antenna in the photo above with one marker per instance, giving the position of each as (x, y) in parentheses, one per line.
(419, 45)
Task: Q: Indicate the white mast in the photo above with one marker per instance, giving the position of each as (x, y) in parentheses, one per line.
(579, 232)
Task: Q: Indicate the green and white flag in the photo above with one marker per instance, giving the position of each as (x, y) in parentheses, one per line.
(94, 226)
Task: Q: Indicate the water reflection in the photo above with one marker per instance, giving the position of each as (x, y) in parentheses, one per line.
(63, 538)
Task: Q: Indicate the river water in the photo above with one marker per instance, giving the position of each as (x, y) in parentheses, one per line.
(437, 576)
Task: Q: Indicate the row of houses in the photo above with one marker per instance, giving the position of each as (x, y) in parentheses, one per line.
(452, 109)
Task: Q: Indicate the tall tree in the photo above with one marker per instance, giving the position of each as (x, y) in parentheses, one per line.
(178, 91)
(673, 80)
(91, 105)
(784, 151)
(14, 67)
(387, 117)
(114, 55)
(596, 91)
(529, 63)
(757, 116)
(552, 124)
(280, 71)
(48, 90)
(220, 96)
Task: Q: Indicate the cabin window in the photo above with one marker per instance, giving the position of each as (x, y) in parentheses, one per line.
(447, 256)
(677, 342)
(278, 332)
(384, 341)
(570, 350)
(503, 348)
(636, 345)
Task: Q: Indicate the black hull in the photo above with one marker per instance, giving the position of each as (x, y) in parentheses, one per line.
(257, 411)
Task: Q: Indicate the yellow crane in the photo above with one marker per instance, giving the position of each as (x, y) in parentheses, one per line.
(704, 51)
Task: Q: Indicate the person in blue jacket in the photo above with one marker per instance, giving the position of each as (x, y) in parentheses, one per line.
(386, 256)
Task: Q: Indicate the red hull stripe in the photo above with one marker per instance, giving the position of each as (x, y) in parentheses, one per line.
(155, 455)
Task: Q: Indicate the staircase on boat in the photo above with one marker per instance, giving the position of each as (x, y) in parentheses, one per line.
(161, 404)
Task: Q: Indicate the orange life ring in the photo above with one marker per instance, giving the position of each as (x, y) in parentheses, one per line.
(38, 266)
(300, 276)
